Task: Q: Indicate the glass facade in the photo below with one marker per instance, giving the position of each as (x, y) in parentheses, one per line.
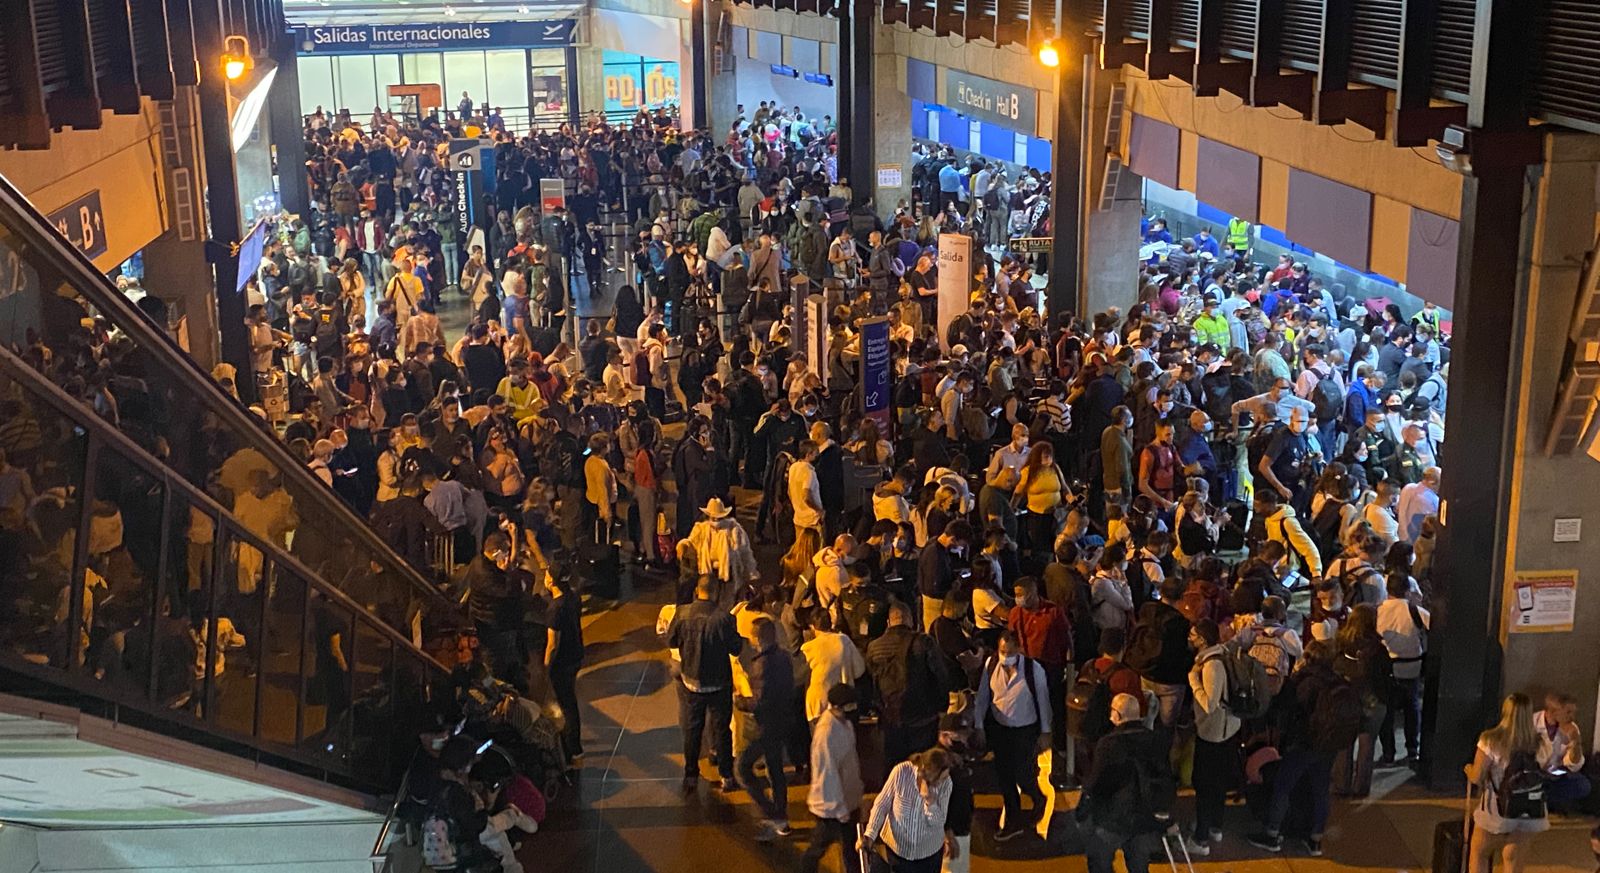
(496, 77)
(159, 549)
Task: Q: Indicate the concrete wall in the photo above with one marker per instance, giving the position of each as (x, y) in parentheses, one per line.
(1344, 153)
(1547, 488)
(122, 160)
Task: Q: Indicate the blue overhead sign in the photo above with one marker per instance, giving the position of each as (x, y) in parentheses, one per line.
(361, 39)
(83, 223)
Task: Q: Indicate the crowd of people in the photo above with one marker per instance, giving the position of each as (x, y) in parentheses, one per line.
(1186, 544)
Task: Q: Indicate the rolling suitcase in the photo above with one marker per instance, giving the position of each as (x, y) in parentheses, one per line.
(1168, 837)
(1450, 841)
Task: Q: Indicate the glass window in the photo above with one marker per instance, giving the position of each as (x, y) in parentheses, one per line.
(358, 84)
(324, 717)
(280, 649)
(249, 575)
(508, 85)
(463, 71)
(316, 85)
(40, 483)
(124, 562)
(190, 573)
(371, 711)
(387, 72)
(549, 94)
(423, 68)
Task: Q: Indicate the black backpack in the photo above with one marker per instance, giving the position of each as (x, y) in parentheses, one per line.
(1336, 718)
(1089, 704)
(1326, 399)
(1520, 794)
(1325, 527)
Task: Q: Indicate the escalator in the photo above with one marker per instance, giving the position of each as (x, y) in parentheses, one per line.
(168, 570)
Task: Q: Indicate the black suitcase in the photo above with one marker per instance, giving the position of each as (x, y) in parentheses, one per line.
(600, 565)
(1450, 842)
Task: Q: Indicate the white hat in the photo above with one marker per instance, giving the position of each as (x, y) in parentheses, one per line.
(717, 509)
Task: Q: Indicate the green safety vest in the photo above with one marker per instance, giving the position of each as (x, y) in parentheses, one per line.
(1238, 234)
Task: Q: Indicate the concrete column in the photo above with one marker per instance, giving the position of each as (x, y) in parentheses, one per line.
(699, 66)
(891, 121)
(222, 193)
(1545, 488)
(1067, 172)
(1469, 558)
(857, 97)
(284, 118)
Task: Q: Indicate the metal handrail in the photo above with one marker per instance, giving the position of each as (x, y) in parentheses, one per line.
(94, 286)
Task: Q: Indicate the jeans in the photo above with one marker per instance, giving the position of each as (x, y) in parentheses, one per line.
(373, 262)
(770, 794)
(1562, 792)
(1353, 769)
(827, 832)
(502, 651)
(1214, 767)
(1100, 849)
(1016, 766)
(1298, 764)
(697, 709)
(564, 685)
(1169, 700)
(452, 263)
(901, 741)
(1405, 696)
(929, 864)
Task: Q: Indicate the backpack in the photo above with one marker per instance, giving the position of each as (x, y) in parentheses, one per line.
(1520, 794)
(641, 369)
(1325, 528)
(1274, 658)
(438, 841)
(976, 424)
(1246, 695)
(1336, 719)
(1089, 704)
(1195, 605)
(1326, 399)
(1350, 583)
(564, 464)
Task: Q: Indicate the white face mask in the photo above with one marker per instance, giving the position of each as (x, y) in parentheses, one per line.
(1009, 660)
(1297, 425)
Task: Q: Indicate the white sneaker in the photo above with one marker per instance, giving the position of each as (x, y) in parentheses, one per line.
(1197, 847)
(1214, 835)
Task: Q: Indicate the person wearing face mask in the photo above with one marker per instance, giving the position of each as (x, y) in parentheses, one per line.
(1001, 477)
(1284, 465)
(1320, 383)
(497, 603)
(1013, 712)
(1116, 458)
(1194, 450)
(834, 797)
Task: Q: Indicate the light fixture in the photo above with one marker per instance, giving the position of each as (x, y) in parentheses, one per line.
(522, 9)
(450, 11)
(236, 60)
(1049, 55)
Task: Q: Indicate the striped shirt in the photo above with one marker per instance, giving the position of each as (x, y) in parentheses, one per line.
(1057, 415)
(915, 824)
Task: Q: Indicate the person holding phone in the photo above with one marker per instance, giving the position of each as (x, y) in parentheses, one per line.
(1564, 785)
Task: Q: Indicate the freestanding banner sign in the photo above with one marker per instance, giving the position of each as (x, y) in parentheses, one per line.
(955, 278)
(817, 336)
(467, 164)
(875, 375)
(552, 193)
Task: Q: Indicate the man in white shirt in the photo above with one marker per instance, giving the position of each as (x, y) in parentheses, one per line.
(1403, 625)
(1013, 712)
(834, 797)
(832, 660)
(1418, 501)
(1564, 786)
(805, 492)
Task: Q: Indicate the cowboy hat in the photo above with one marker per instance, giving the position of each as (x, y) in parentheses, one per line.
(717, 509)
